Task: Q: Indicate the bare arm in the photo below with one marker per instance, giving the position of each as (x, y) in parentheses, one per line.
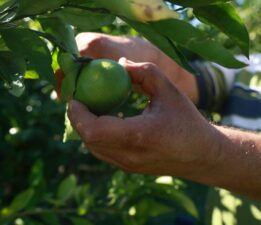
(172, 138)
(238, 164)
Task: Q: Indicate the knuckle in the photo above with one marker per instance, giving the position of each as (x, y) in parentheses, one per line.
(96, 40)
(133, 140)
(88, 43)
(149, 67)
(86, 36)
(152, 70)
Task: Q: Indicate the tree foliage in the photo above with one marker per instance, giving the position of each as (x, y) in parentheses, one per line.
(45, 181)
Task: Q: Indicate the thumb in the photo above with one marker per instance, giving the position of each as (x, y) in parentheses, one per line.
(148, 76)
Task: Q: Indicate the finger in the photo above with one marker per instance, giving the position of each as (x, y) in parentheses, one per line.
(109, 138)
(81, 118)
(108, 131)
(148, 76)
(118, 159)
(97, 45)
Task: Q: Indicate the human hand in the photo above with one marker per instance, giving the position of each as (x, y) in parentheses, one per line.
(167, 138)
(96, 45)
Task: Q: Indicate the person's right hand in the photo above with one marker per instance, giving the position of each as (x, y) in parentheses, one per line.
(96, 45)
(170, 137)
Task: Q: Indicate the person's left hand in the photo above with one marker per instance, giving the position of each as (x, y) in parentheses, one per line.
(98, 45)
(167, 138)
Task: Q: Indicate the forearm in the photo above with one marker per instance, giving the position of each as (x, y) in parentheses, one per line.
(234, 162)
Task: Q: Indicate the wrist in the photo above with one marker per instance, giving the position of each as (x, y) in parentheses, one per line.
(181, 78)
(209, 150)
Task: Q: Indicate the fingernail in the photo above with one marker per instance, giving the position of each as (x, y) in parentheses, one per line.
(129, 61)
(122, 60)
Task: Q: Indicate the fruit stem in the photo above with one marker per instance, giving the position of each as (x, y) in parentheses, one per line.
(84, 59)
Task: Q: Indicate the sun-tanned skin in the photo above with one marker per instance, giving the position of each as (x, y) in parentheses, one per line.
(170, 137)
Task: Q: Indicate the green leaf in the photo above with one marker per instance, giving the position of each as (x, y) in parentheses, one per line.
(11, 64)
(7, 17)
(162, 42)
(85, 20)
(12, 70)
(37, 182)
(168, 195)
(213, 51)
(21, 200)
(69, 132)
(31, 74)
(62, 34)
(66, 188)
(195, 40)
(5, 214)
(32, 48)
(196, 3)
(6, 5)
(29, 221)
(70, 68)
(50, 218)
(147, 208)
(82, 192)
(80, 221)
(36, 175)
(3, 46)
(225, 17)
(35, 7)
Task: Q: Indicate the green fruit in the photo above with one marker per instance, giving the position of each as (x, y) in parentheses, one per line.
(102, 86)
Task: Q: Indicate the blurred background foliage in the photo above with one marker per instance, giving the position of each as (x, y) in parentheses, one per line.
(44, 181)
(250, 13)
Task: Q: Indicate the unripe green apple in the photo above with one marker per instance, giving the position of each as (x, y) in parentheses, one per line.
(102, 85)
